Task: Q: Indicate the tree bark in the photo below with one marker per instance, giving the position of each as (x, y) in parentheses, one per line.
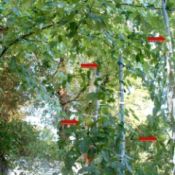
(170, 79)
(122, 118)
(97, 101)
(3, 165)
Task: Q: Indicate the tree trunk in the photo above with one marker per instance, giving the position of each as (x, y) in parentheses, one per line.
(97, 101)
(122, 118)
(170, 79)
(3, 165)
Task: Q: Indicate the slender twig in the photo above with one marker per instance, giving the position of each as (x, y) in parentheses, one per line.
(76, 97)
(60, 62)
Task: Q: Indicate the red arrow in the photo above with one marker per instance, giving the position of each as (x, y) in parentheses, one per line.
(156, 39)
(147, 139)
(89, 65)
(69, 122)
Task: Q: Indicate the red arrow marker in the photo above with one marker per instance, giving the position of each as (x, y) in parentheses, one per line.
(69, 122)
(156, 39)
(89, 65)
(147, 139)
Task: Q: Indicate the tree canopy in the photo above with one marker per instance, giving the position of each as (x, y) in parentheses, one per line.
(42, 47)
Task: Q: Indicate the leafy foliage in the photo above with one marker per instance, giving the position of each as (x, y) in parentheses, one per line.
(43, 43)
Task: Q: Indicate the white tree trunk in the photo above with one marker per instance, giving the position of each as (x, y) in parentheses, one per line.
(170, 76)
(122, 117)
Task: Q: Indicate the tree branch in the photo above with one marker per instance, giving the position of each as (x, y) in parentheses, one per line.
(60, 62)
(6, 48)
(76, 97)
(150, 7)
